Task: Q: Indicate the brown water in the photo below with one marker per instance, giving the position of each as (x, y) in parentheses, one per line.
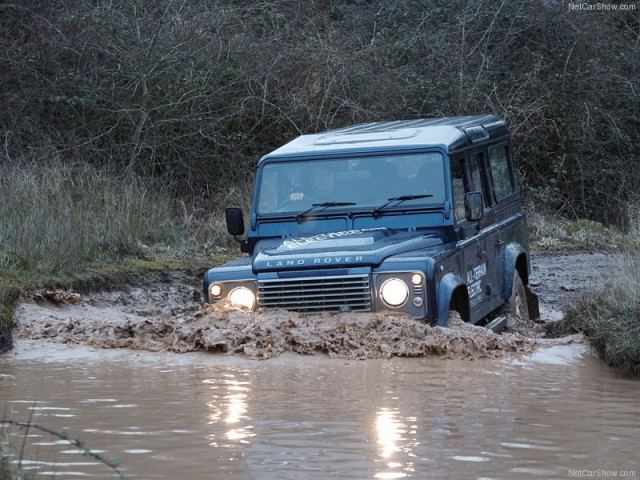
(213, 416)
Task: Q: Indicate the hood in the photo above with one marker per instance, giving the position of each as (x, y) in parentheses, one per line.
(349, 248)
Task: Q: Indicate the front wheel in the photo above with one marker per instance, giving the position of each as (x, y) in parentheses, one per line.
(517, 308)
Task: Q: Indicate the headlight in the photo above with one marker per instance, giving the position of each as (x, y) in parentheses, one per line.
(215, 289)
(394, 292)
(242, 297)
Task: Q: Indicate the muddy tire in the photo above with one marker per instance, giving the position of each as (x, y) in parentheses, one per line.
(517, 308)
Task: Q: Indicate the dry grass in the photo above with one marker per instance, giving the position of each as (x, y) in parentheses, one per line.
(206, 226)
(551, 232)
(55, 217)
(58, 217)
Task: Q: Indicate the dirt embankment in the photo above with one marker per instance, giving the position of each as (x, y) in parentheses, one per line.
(164, 313)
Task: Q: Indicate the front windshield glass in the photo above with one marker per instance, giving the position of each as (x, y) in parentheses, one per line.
(368, 182)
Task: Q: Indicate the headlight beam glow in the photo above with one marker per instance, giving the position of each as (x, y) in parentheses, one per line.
(394, 292)
(242, 297)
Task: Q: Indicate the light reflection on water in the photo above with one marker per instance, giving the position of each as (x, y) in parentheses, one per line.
(207, 416)
(391, 436)
(229, 407)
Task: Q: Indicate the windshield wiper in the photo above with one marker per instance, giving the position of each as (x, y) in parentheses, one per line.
(399, 200)
(320, 207)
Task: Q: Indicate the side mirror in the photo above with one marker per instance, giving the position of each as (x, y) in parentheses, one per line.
(235, 221)
(473, 206)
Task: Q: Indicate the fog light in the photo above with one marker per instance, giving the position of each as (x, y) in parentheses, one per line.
(416, 279)
(394, 292)
(242, 297)
(215, 290)
(418, 301)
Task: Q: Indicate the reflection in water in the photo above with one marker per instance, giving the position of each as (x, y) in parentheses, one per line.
(391, 432)
(228, 405)
(319, 419)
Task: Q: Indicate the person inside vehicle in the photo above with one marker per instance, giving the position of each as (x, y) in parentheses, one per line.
(322, 185)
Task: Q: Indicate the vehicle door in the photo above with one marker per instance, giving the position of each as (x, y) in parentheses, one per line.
(503, 190)
(478, 239)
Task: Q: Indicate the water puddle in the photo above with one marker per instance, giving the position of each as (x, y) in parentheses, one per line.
(105, 368)
(201, 415)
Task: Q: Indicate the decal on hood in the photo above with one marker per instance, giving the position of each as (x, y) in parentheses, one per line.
(348, 259)
(293, 243)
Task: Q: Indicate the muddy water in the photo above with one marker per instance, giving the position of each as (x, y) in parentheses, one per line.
(340, 396)
(213, 416)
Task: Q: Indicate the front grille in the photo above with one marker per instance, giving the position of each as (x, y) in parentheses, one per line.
(316, 294)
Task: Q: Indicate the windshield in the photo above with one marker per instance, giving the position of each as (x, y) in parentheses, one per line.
(366, 182)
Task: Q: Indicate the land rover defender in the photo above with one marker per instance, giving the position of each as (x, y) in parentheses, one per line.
(418, 217)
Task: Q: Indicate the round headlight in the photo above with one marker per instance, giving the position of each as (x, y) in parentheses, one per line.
(242, 297)
(215, 290)
(394, 292)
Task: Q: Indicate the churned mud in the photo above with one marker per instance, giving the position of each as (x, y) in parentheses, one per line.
(163, 312)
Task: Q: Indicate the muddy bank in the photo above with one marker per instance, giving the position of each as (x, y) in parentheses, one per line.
(165, 314)
(560, 277)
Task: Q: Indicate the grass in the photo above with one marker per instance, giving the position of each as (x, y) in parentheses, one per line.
(551, 232)
(55, 216)
(610, 318)
(76, 226)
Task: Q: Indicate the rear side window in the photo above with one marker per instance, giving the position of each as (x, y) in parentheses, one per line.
(458, 190)
(477, 175)
(501, 174)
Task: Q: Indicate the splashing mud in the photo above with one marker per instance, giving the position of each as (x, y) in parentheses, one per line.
(166, 315)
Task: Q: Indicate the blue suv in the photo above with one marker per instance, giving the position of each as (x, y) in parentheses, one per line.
(418, 217)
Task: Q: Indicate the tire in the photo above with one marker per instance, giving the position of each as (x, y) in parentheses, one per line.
(517, 308)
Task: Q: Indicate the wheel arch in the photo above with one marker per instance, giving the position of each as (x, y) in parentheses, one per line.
(452, 292)
(516, 260)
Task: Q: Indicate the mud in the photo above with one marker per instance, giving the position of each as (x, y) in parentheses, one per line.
(560, 277)
(164, 313)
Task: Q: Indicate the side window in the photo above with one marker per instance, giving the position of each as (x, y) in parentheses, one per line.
(457, 187)
(477, 181)
(501, 173)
